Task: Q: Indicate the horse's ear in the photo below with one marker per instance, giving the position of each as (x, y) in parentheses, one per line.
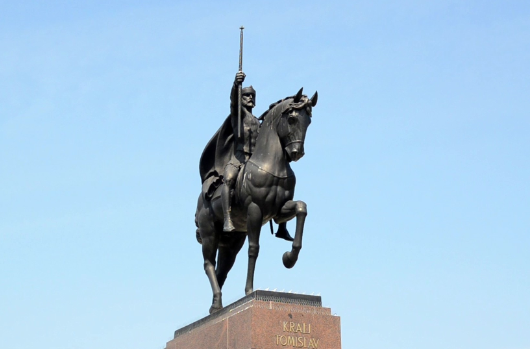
(298, 96)
(314, 99)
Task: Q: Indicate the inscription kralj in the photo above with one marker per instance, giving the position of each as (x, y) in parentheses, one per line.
(247, 181)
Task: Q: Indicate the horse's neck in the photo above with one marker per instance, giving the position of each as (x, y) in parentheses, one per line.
(269, 154)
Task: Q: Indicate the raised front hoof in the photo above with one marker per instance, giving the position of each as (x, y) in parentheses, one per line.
(284, 234)
(214, 309)
(289, 259)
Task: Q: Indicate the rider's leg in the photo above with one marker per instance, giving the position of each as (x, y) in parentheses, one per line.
(229, 179)
(283, 233)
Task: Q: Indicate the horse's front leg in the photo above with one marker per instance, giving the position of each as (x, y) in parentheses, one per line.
(254, 221)
(292, 209)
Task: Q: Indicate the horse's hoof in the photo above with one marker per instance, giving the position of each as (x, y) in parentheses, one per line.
(289, 259)
(247, 292)
(214, 309)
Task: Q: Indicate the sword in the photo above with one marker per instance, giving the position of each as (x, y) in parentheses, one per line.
(239, 87)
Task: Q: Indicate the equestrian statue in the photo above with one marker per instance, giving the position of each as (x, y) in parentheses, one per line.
(247, 181)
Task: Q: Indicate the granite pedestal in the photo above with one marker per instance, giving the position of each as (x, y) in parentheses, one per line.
(264, 320)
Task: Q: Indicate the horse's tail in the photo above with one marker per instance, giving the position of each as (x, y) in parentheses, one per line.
(197, 232)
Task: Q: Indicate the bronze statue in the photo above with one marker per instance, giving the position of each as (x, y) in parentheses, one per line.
(247, 181)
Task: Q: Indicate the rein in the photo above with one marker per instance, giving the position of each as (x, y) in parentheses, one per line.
(264, 170)
(297, 141)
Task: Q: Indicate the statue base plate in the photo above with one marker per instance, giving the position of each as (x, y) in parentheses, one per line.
(264, 320)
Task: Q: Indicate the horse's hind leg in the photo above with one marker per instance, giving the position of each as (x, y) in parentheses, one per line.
(209, 251)
(229, 247)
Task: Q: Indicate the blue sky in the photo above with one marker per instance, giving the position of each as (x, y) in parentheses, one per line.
(416, 172)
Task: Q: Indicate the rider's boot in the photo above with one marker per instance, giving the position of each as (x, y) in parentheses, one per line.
(283, 233)
(225, 202)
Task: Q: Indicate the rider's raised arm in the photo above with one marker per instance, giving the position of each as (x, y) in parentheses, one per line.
(234, 103)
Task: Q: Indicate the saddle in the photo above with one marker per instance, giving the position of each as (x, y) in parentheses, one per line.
(209, 187)
(214, 182)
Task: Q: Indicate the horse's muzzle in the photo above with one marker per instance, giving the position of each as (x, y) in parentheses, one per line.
(295, 150)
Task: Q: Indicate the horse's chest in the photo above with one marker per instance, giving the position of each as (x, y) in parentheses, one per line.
(268, 191)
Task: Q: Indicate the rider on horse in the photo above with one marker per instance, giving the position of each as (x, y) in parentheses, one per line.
(226, 153)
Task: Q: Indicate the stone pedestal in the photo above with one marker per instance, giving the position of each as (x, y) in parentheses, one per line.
(264, 320)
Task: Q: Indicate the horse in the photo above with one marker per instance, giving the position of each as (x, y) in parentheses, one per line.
(264, 191)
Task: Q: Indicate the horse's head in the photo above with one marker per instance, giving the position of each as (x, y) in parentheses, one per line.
(293, 122)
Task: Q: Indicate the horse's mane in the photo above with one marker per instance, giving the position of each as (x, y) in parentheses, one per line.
(273, 113)
(262, 117)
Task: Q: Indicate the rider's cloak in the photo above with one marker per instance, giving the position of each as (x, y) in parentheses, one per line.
(216, 155)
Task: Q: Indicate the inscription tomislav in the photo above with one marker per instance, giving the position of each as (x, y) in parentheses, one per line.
(293, 336)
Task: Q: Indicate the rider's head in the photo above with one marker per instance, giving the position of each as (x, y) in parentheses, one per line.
(248, 97)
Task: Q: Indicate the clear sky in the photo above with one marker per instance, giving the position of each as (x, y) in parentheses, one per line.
(416, 172)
